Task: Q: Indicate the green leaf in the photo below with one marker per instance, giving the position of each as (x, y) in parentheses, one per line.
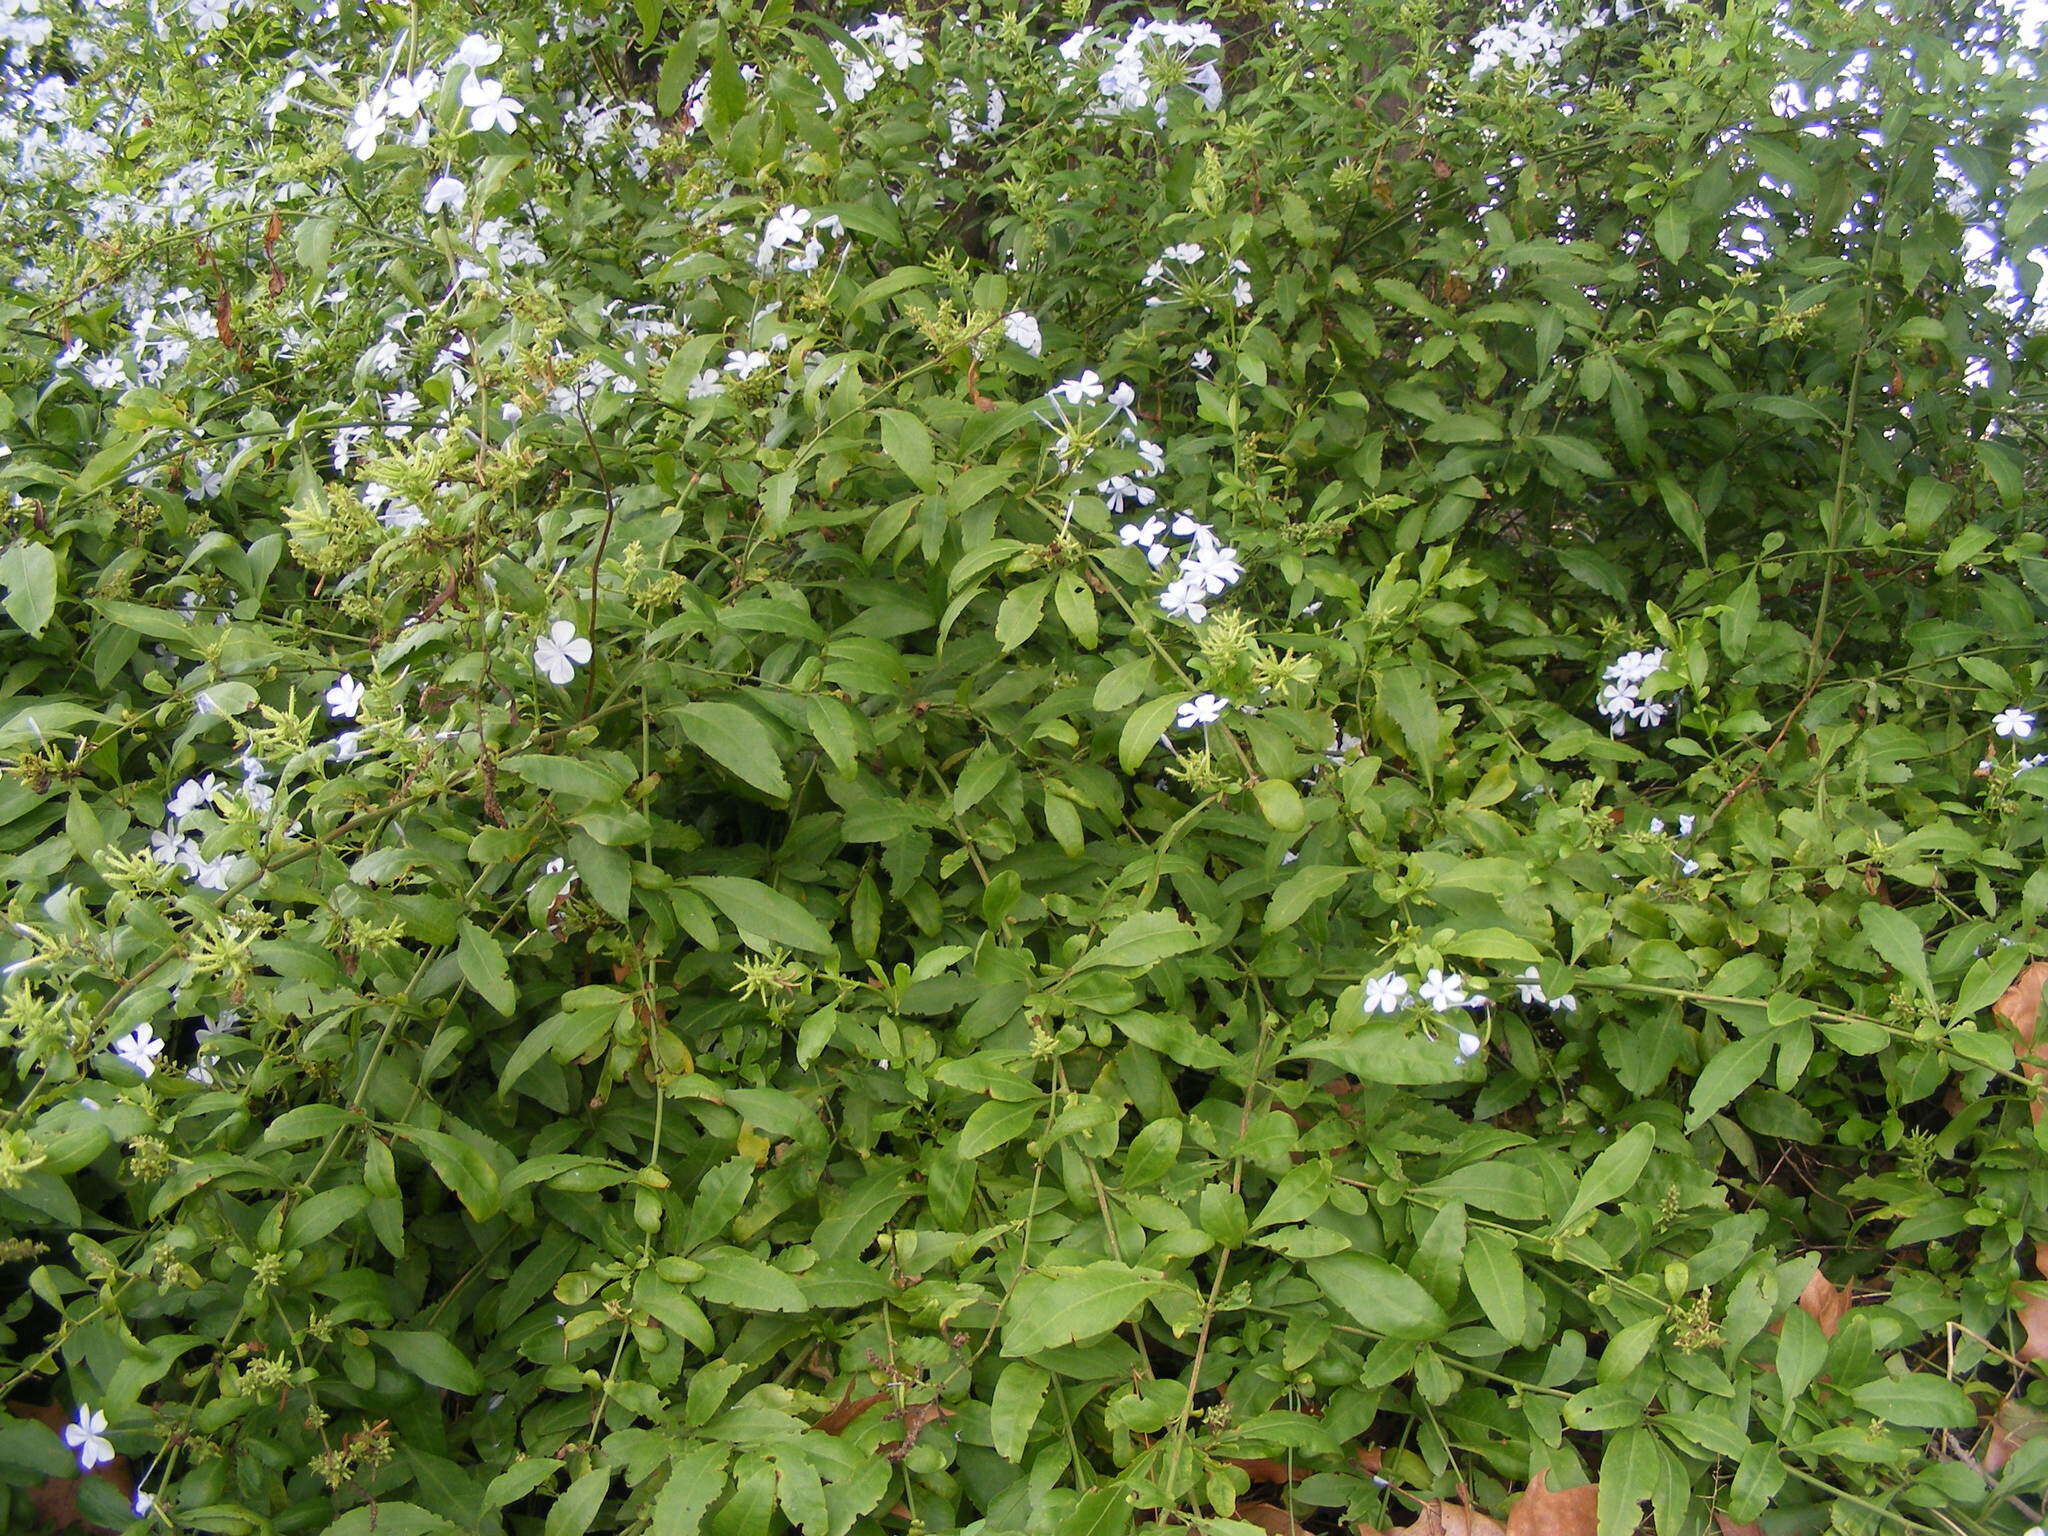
(908, 443)
(696, 1477)
(565, 776)
(1673, 228)
(1143, 727)
(483, 966)
(735, 1279)
(1630, 1469)
(1139, 942)
(1389, 1051)
(725, 96)
(764, 916)
(574, 1511)
(1410, 705)
(1309, 886)
(994, 1123)
(29, 573)
(1048, 1308)
(387, 1518)
(519, 1479)
(1380, 1297)
(460, 1166)
(1684, 512)
(322, 1213)
(1917, 1401)
(1899, 944)
(1574, 453)
(1022, 611)
(309, 1122)
(1731, 1070)
(433, 1359)
(1019, 1395)
(1613, 1173)
(1738, 620)
(1494, 1271)
(737, 740)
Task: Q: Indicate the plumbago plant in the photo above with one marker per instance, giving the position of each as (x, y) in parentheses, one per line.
(1261, 769)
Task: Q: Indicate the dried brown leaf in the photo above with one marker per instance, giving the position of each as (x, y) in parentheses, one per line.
(2020, 1007)
(1263, 1469)
(1730, 1528)
(915, 1417)
(1567, 1512)
(1269, 1517)
(2011, 1426)
(1826, 1303)
(835, 1420)
(2033, 1316)
(1436, 1518)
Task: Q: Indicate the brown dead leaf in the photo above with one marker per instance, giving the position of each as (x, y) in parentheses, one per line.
(916, 1417)
(2011, 1426)
(1568, 1512)
(1730, 1528)
(2033, 1316)
(2020, 1007)
(1436, 1518)
(1269, 1517)
(1263, 1469)
(835, 1421)
(1371, 1460)
(1826, 1303)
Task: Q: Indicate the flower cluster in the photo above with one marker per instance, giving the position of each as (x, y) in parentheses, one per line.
(1207, 566)
(1526, 44)
(174, 845)
(408, 98)
(886, 41)
(1686, 866)
(784, 240)
(1149, 63)
(1177, 275)
(1622, 701)
(1440, 991)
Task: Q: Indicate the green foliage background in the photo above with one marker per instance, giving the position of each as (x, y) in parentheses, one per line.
(920, 1023)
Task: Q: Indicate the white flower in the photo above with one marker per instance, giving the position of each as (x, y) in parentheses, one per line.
(1386, 993)
(785, 226)
(1444, 992)
(409, 93)
(1074, 391)
(140, 1049)
(1184, 600)
(1468, 1046)
(205, 16)
(445, 192)
(347, 745)
(489, 106)
(1022, 330)
(705, 385)
(87, 1435)
(1202, 360)
(1145, 535)
(475, 51)
(365, 130)
(345, 697)
(745, 364)
(106, 373)
(192, 795)
(559, 652)
(2013, 722)
(144, 1503)
(1202, 709)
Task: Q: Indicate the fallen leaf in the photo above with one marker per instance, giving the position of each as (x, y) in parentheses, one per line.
(1568, 1512)
(2021, 1007)
(1436, 1518)
(2033, 1316)
(2011, 1426)
(1371, 1460)
(1269, 1517)
(1263, 1469)
(835, 1421)
(1826, 1303)
(1730, 1528)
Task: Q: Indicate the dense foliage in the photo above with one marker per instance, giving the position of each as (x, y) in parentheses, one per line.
(944, 772)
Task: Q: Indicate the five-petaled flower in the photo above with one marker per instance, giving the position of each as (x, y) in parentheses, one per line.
(2013, 722)
(1386, 993)
(445, 192)
(1075, 391)
(1202, 709)
(489, 106)
(345, 697)
(87, 1435)
(140, 1049)
(560, 652)
(1444, 992)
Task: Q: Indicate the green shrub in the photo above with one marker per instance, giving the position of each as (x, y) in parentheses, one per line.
(766, 774)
